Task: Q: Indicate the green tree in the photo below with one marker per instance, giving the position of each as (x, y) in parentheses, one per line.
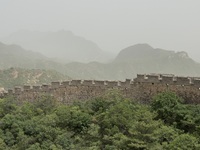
(73, 118)
(183, 142)
(168, 107)
(46, 103)
(7, 105)
(2, 145)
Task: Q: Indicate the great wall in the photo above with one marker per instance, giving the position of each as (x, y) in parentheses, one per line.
(142, 88)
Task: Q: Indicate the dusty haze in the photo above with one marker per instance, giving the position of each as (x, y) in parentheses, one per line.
(112, 24)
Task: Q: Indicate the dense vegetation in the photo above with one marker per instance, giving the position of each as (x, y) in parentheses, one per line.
(110, 122)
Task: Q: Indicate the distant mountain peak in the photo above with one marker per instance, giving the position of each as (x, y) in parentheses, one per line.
(134, 52)
(64, 32)
(61, 44)
(142, 46)
(144, 52)
(183, 54)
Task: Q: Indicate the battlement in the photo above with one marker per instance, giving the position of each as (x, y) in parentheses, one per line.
(112, 83)
(27, 87)
(88, 82)
(18, 90)
(149, 78)
(84, 89)
(99, 83)
(182, 81)
(55, 84)
(76, 82)
(36, 87)
(164, 79)
(66, 83)
(167, 79)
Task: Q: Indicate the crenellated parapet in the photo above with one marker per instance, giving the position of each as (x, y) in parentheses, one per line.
(127, 83)
(88, 82)
(17, 90)
(55, 84)
(168, 79)
(76, 82)
(99, 83)
(27, 87)
(112, 83)
(36, 88)
(143, 87)
(165, 79)
(149, 78)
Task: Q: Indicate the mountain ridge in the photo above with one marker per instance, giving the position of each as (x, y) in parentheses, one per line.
(132, 60)
(129, 62)
(61, 44)
(142, 51)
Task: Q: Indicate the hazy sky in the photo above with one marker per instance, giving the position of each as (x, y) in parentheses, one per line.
(112, 24)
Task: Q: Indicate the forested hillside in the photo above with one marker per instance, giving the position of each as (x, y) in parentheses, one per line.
(19, 77)
(110, 122)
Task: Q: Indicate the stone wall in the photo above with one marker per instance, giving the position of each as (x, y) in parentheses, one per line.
(142, 88)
